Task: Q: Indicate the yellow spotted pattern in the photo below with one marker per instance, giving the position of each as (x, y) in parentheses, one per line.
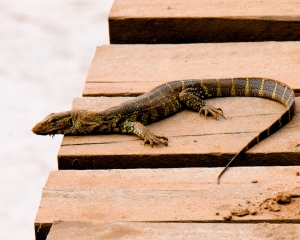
(261, 89)
(282, 99)
(232, 92)
(219, 91)
(247, 88)
(204, 87)
(274, 91)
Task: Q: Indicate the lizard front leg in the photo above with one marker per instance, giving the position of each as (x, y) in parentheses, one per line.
(195, 103)
(141, 131)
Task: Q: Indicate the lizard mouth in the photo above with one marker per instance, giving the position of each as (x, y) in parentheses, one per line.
(40, 130)
(54, 123)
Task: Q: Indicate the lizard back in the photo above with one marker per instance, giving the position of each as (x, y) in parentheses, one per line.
(163, 101)
(166, 100)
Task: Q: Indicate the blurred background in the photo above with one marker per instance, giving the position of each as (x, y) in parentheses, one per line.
(46, 48)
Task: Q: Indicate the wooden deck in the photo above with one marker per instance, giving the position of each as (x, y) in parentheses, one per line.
(143, 230)
(112, 186)
(193, 141)
(128, 200)
(206, 21)
(130, 70)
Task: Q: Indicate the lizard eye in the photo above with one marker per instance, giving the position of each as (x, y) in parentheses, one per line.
(71, 121)
(53, 120)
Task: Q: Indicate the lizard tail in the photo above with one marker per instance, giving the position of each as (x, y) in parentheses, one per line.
(279, 123)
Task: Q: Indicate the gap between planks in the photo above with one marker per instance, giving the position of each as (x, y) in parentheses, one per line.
(129, 70)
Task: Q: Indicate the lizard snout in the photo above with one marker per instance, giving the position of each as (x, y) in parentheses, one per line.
(54, 123)
(37, 129)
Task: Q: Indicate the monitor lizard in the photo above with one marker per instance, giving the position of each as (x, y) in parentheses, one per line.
(166, 100)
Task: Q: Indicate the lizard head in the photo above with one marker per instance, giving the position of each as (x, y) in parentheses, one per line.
(55, 123)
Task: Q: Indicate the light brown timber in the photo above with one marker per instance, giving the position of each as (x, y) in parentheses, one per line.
(193, 141)
(171, 231)
(193, 21)
(130, 70)
(171, 195)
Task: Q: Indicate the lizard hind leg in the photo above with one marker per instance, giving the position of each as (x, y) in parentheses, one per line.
(141, 131)
(192, 101)
(213, 111)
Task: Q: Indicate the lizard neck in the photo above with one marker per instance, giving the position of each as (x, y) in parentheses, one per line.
(84, 122)
(89, 122)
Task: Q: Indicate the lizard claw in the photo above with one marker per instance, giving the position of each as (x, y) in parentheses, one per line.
(156, 140)
(213, 111)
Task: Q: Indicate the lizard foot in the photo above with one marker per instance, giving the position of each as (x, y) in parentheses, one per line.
(213, 111)
(141, 131)
(153, 139)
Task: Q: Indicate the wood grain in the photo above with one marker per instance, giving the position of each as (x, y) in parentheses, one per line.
(193, 231)
(193, 141)
(129, 70)
(276, 9)
(169, 195)
(193, 21)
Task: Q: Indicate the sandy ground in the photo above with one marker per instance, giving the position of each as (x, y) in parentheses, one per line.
(45, 51)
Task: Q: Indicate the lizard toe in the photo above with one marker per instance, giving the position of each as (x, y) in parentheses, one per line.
(148, 141)
(157, 140)
(215, 112)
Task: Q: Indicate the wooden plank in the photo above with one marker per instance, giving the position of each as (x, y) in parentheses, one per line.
(144, 230)
(193, 21)
(170, 195)
(129, 70)
(193, 141)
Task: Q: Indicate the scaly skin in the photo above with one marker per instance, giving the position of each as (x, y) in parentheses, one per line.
(166, 100)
